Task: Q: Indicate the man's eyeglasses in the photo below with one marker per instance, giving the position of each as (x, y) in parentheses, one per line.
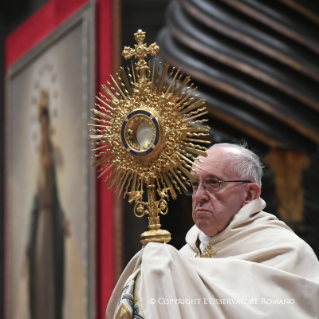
(210, 184)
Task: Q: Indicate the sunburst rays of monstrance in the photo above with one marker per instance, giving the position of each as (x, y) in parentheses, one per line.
(146, 127)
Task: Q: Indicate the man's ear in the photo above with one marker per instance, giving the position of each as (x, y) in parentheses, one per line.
(253, 192)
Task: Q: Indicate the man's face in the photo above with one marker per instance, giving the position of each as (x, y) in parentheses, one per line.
(213, 212)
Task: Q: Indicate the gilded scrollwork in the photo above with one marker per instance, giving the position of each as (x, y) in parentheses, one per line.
(159, 103)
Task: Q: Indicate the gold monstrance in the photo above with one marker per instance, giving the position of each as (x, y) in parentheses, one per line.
(145, 135)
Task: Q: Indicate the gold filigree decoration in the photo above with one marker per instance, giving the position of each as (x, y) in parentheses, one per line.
(146, 129)
(208, 252)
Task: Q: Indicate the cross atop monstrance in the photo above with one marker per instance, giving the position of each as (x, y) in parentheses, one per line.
(140, 51)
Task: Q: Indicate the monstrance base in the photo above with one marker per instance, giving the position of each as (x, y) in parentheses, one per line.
(158, 236)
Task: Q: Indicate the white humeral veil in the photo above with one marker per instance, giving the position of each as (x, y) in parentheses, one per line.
(261, 270)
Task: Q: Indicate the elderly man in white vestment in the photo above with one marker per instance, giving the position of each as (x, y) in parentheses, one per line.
(254, 266)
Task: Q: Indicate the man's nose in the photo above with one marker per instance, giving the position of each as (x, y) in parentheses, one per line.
(201, 193)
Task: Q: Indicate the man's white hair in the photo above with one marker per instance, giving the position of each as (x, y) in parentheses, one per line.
(247, 163)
